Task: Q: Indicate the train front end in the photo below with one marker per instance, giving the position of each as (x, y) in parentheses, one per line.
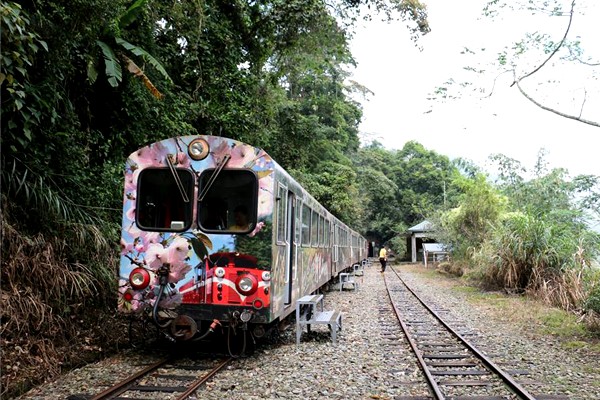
(196, 237)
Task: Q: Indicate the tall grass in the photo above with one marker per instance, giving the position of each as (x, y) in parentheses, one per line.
(542, 256)
(58, 283)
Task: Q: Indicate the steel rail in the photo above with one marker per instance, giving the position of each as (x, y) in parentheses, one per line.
(200, 381)
(123, 386)
(430, 380)
(508, 380)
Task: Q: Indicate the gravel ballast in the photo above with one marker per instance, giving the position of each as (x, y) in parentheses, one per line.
(368, 361)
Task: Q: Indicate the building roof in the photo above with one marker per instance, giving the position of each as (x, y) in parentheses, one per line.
(424, 226)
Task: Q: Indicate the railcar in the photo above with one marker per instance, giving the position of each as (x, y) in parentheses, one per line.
(192, 265)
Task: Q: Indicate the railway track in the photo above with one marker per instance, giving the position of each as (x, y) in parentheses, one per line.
(165, 379)
(452, 366)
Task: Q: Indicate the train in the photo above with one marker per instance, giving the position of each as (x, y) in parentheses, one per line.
(217, 236)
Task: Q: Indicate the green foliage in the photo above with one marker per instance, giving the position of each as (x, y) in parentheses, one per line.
(593, 301)
(19, 48)
(112, 31)
(131, 14)
(423, 178)
(524, 246)
(33, 192)
(398, 243)
(540, 244)
(112, 66)
(147, 57)
(401, 188)
(334, 186)
(380, 195)
(592, 288)
(560, 323)
(480, 207)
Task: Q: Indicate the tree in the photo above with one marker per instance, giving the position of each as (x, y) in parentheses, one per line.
(555, 67)
(379, 193)
(335, 187)
(423, 178)
(468, 226)
(402, 187)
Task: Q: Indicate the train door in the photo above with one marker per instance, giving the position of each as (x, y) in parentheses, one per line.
(291, 247)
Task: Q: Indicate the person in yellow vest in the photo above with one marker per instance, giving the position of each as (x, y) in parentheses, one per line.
(383, 258)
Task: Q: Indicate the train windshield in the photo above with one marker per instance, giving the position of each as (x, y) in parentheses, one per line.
(161, 205)
(230, 204)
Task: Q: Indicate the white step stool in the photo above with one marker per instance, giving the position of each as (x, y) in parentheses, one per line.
(314, 316)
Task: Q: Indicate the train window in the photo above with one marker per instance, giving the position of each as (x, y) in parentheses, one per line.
(305, 225)
(314, 228)
(229, 201)
(298, 223)
(281, 206)
(326, 240)
(321, 230)
(162, 205)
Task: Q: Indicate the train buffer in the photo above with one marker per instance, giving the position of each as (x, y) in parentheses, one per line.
(314, 314)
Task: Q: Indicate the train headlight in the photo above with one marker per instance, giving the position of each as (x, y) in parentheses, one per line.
(198, 149)
(246, 284)
(220, 272)
(139, 278)
(266, 275)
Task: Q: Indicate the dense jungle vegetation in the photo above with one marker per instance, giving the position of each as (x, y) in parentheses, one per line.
(85, 83)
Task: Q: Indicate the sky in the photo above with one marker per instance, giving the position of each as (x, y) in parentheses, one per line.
(402, 77)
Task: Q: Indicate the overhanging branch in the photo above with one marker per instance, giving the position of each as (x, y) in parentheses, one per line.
(552, 110)
(560, 44)
(517, 81)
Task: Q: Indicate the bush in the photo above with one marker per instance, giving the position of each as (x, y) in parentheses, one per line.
(592, 301)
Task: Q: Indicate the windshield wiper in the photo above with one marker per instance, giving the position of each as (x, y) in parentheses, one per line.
(214, 175)
(184, 195)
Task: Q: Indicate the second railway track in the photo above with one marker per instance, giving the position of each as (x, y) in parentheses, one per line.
(453, 367)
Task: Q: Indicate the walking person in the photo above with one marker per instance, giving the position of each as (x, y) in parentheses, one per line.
(383, 258)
